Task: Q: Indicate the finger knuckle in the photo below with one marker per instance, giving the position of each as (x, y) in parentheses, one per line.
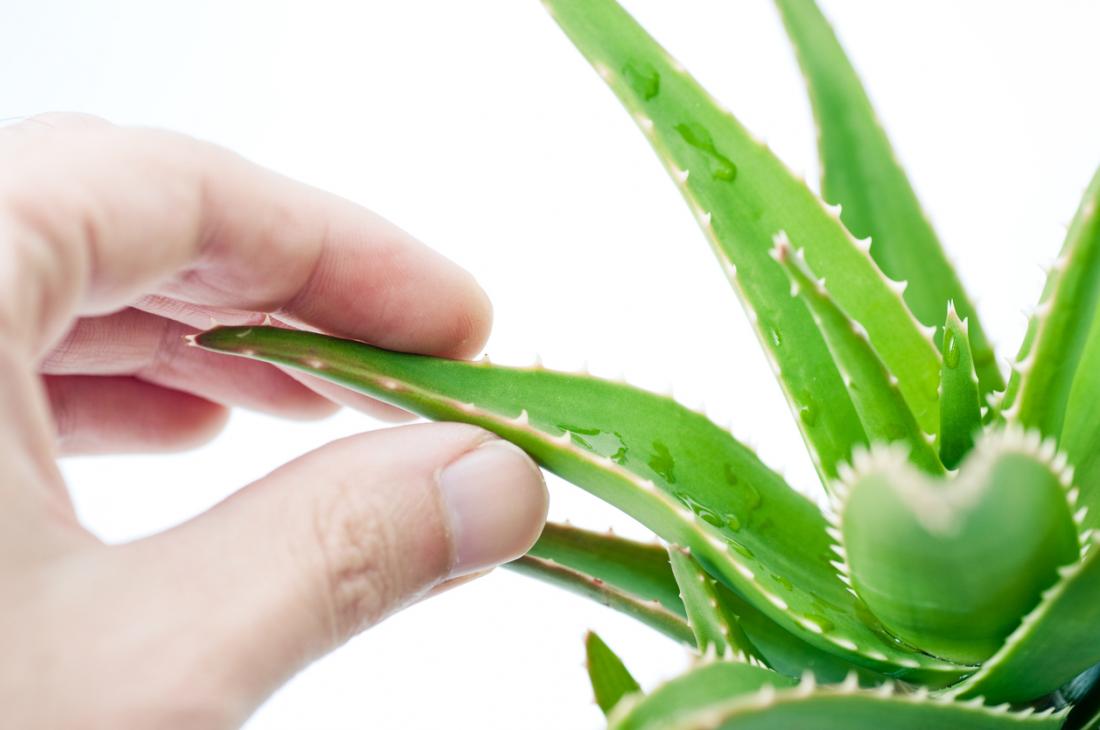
(358, 551)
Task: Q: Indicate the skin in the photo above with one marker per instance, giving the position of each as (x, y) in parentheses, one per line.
(114, 243)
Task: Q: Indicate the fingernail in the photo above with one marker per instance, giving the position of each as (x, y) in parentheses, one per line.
(496, 502)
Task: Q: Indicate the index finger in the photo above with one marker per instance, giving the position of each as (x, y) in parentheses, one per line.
(96, 216)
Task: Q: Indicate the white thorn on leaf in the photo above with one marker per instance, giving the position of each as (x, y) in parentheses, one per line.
(644, 122)
(845, 643)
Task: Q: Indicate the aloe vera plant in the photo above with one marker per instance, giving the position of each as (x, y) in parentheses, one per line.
(952, 580)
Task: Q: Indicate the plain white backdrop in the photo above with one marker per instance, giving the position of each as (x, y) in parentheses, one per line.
(477, 127)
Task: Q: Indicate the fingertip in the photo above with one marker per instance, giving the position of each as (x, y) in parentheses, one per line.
(473, 323)
(496, 501)
(207, 422)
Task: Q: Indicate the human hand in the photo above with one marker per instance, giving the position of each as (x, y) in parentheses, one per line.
(114, 244)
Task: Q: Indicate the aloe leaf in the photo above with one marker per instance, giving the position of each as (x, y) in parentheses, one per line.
(705, 685)
(672, 469)
(882, 409)
(643, 572)
(717, 630)
(636, 568)
(1038, 392)
(742, 195)
(951, 567)
(611, 681)
(1080, 433)
(1055, 641)
(729, 696)
(861, 173)
(960, 400)
(650, 613)
(788, 654)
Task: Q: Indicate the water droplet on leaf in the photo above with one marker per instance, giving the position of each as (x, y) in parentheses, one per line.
(643, 78)
(604, 443)
(741, 550)
(951, 350)
(825, 624)
(696, 135)
(662, 462)
(808, 412)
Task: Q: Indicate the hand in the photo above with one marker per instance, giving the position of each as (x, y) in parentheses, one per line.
(114, 243)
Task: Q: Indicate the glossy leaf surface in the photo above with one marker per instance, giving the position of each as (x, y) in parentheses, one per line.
(743, 195)
(953, 566)
(672, 469)
(730, 696)
(861, 173)
(960, 399)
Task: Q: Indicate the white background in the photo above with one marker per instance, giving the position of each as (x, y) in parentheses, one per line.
(476, 126)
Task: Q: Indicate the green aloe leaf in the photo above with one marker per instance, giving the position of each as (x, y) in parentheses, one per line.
(861, 173)
(611, 681)
(642, 571)
(1081, 428)
(960, 400)
(742, 195)
(717, 630)
(874, 391)
(650, 613)
(1054, 643)
(1050, 357)
(952, 566)
(639, 569)
(672, 469)
(706, 685)
(730, 696)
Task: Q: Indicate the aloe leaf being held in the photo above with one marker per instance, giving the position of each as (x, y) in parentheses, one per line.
(951, 579)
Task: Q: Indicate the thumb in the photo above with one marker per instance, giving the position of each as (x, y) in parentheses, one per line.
(331, 543)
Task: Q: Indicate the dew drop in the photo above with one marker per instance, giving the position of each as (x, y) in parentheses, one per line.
(643, 78)
(808, 412)
(872, 622)
(731, 475)
(783, 581)
(741, 550)
(696, 135)
(951, 350)
(598, 441)
(662, 462)
(825, 624)
(711, 518)
(706, 514)
(775, 335)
